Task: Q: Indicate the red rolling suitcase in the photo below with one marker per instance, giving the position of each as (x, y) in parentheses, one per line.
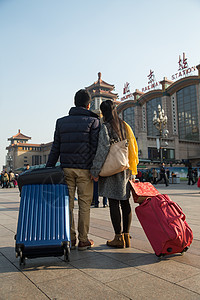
(164, 224)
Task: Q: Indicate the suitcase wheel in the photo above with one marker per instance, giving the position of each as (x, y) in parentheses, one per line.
(184, 250)
(21, 257)
(169, 250)
(66, 253)
(161, 255)
(22, 261)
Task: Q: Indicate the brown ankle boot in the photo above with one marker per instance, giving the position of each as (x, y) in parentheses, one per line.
(127, 238)
(117, 242)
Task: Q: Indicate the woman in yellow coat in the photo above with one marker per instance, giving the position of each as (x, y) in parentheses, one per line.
(116, 187)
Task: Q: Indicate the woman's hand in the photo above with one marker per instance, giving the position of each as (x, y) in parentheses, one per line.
(133, 178)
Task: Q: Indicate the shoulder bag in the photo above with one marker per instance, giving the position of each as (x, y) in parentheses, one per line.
(116, 160)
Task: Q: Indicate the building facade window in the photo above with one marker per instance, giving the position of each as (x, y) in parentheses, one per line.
(167, 154)
(129, 117)
(151, 106)
(35, 160)
(153, 154)
(187, 113)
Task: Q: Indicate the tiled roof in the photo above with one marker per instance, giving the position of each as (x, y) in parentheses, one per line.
(27, 144)
(19, 136)
(23, 145)
(109, 94)
(100, 83)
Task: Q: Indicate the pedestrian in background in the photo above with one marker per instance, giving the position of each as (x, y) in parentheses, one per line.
(168, 173)
(11, 179)
(190, 176)
(27, 167)
(1, 176)
(163, 175)
(95, 201)
(5, 180)
(195, 172)
(155, 175)
(139, 176)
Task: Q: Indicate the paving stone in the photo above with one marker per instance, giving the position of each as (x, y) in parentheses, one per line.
(7, 241)
(122, 255)
(103, 268)
(188, 259)
(6, 267)
(5, 231)
(17, 286)
(164, 268)
(41, 270)
(77, 255)
(144, 286)
(191, 284)
(79, 286)
(9, 252)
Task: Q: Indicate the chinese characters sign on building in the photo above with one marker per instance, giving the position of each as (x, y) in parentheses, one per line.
(127, 95)
(126, 88)
(183, 68)
(182, 63)
(152, 83)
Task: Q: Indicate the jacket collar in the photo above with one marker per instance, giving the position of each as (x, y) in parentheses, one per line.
(77, 111)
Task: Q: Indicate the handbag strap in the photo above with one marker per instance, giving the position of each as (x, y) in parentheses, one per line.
(122, 131)
(111, 134)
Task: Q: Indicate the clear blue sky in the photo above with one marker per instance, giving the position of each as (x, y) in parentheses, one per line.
(50, 49)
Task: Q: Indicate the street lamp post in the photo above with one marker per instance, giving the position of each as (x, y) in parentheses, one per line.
(160, 122)
(9, 160)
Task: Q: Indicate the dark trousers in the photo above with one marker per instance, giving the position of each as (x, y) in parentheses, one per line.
(163, 176)
(95, 200)
(191, 179)
(115, 215)
(154, 180)
(105, 200)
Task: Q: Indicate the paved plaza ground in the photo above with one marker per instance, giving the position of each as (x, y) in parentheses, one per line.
(103, 273)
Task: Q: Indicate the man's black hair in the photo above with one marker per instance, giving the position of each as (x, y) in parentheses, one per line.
(82, 98)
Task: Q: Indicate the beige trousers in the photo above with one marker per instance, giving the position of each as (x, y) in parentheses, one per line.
(80, 179)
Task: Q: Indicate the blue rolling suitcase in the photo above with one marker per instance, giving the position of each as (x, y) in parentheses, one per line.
(43, 224)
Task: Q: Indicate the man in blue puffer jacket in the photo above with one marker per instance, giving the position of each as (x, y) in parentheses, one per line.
(75, 141)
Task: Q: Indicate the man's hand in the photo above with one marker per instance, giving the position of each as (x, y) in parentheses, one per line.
(94, 178)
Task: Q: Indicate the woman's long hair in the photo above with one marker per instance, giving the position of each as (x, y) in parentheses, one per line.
(110, 115)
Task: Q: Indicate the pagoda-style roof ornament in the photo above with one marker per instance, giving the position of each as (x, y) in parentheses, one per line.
(99, 76)
(100, 84)
(19, 136)
(102, 88)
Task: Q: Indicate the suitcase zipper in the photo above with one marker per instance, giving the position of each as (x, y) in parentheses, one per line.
(160, 221)
(181, 225)
(178, 218)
